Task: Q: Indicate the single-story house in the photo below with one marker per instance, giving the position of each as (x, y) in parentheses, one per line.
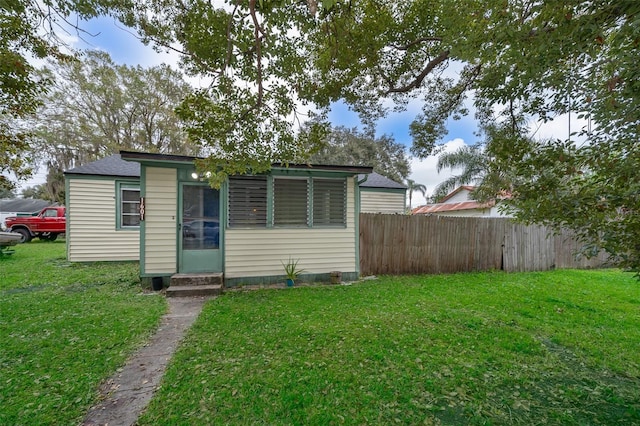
(156, 209)
(459, 203)
(379, 194)
(102, 200)
(20, 207)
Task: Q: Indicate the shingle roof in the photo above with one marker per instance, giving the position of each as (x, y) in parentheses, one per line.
(23, 205)
(376, 180)
(113, 165)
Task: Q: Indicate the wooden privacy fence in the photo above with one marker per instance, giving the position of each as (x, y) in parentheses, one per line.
(398, 244)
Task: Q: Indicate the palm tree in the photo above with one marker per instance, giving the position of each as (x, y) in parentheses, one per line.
(474, 163)
(414, 186)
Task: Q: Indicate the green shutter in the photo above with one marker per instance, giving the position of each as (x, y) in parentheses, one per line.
(248, 202)
(329, 202)
(290, 198)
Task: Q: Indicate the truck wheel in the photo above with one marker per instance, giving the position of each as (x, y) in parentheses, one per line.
(26, 236)
(48, 236)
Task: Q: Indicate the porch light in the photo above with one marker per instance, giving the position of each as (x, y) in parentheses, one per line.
(201, 176)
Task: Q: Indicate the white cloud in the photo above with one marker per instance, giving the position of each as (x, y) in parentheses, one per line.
(560, 127)
(425, 172)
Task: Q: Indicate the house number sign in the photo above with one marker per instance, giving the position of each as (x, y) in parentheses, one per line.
(141, 208)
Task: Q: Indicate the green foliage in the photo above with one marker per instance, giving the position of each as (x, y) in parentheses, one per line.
(473, 162)
(557, 347)
(27, 33)
(37, 192)
(96, 108)
(269, 61)
(291, 269)
(351, 147)
(412, 187)
(65, 328)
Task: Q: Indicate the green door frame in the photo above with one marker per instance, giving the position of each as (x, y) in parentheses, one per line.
(198, 260)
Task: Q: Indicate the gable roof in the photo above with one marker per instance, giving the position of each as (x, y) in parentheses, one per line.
(23, 205)
(455, 191)
(113, 165)
(376, 180)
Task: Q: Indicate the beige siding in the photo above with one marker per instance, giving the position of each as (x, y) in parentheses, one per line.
(92, 234)
(381, 202)
(258, 252)
(161, 199)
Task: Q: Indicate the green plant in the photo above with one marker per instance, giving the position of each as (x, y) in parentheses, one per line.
(65, 327)
(291, 268)
(463, 349)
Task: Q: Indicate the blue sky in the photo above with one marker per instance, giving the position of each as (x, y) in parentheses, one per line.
(125, 48)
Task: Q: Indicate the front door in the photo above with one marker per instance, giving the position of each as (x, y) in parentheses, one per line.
(199, 229)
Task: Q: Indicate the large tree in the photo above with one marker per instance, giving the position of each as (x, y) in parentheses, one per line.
(345, 146)
(96, 107)
(517, 59)
(28, 32)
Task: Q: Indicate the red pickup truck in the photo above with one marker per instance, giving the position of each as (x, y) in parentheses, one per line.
(47, 225)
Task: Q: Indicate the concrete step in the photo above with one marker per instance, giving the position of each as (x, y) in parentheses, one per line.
(197, 279)
(194, 290)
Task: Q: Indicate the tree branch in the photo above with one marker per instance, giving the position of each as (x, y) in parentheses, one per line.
(418, 80)
(415, 42)
(258, 42)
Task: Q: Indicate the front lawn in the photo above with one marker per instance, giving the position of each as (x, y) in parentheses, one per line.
(558, 347)
(64, 328)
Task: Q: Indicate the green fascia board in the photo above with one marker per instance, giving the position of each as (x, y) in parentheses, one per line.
(101, 177)
(309, 173)
(388, 190)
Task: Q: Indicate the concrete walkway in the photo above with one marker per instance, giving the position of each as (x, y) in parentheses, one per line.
(127, 393)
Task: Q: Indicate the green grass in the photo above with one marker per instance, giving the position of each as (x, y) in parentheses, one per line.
(64, 328)
(558, 347)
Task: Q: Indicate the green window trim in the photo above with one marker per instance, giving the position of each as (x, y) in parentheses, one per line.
(127, 206)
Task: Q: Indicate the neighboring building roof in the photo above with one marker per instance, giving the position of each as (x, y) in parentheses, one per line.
(449, 207)
(113, 165)
(376, 180)
(455, 191)
(23, 205)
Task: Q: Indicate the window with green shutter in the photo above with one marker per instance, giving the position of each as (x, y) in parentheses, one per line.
(329, 202)
(295, 203)
(290, 202)
(248, 202)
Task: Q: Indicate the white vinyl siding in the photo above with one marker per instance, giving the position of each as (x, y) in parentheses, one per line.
(161, 199)
(258, 252)
(381, 202)
(91, 224)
